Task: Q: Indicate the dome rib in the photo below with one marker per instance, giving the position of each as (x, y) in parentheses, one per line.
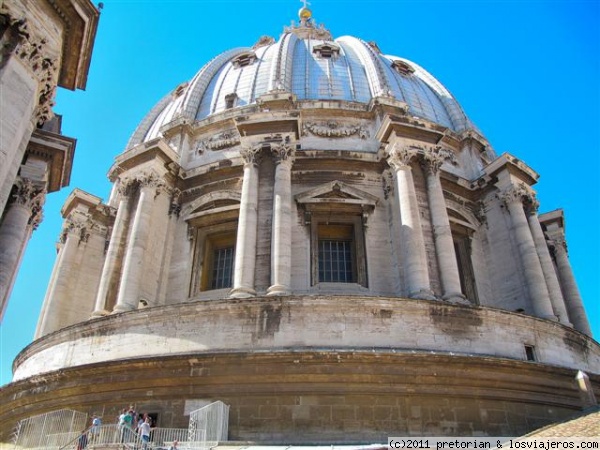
(142, 129)
(203, 78)
(358, 73)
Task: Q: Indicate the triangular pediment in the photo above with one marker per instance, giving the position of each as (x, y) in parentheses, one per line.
(337, 192)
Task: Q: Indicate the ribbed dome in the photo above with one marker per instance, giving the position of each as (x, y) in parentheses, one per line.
(311, 66)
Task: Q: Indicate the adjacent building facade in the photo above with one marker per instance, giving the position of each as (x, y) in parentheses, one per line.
(44, 44)
(314, 233)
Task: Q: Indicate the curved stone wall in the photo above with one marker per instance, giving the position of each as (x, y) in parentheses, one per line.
(313, 396)
(302, 323)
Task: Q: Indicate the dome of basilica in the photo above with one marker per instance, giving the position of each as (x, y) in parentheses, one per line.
(308, 63)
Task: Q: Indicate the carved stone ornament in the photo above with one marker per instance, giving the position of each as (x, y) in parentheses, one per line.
(175, 205)
(31, 197)
(30, 51)
(219, 141)
(263, 41)
(332, 129)
(125, 187)
(401, 155)
(283, 152)
(434, 157)
(517, 193)
(251, 155)
(387, 179)
(560, 244)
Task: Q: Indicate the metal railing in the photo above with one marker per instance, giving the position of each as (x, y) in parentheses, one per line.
(49, 431)
(115, 434)
(208, 425)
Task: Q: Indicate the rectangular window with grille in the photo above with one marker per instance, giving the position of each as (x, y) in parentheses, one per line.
(222, 268)
(336, 253)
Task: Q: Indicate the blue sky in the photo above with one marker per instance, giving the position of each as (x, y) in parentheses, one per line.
(526, 72)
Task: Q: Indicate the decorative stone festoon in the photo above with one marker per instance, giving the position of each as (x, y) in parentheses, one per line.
(413, 246)
(15, 232)
(129, 289)
(281, 242)
(245, 249)
(536, 283)
(433, 158)
(115, 248)
(556, 296)
(570, 289)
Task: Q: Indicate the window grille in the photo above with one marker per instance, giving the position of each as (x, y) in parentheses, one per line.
(222, 270)
(336, 261)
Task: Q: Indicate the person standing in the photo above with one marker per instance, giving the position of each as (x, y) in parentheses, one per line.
(95, 430)
(145, 433)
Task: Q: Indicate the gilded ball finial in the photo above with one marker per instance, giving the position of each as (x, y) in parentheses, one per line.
(304, 13)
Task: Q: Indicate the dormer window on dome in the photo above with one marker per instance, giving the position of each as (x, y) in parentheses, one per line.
(326, 50)
(243, 60)
(179, 90)
(402, 68)
(231, 100)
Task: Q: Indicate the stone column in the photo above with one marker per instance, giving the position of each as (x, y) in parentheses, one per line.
(115, 249)
(129, 289)
(413, 246)
(15, 230)
(556, 297)
(56, 302)
(569, 288)
(281, 236)
(442, 234)
(245, 248)
(534, 277)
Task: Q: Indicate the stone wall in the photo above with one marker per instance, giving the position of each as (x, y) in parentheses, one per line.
(334, 322)
(310, 396)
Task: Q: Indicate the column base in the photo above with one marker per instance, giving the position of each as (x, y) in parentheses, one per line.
(122, 308)
(552, 318)
(423, 294)
(456, 297)
(278, 289)
(99, 313)
(242, 292)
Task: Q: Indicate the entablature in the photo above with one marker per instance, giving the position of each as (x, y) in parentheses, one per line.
(154, 151)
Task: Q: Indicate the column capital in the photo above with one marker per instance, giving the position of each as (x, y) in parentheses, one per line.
(560, 244)
(517, 193)
(32, 197)
(283, 153)
(399, 156)
(434, 157)
(251, 155)
(26, 193)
